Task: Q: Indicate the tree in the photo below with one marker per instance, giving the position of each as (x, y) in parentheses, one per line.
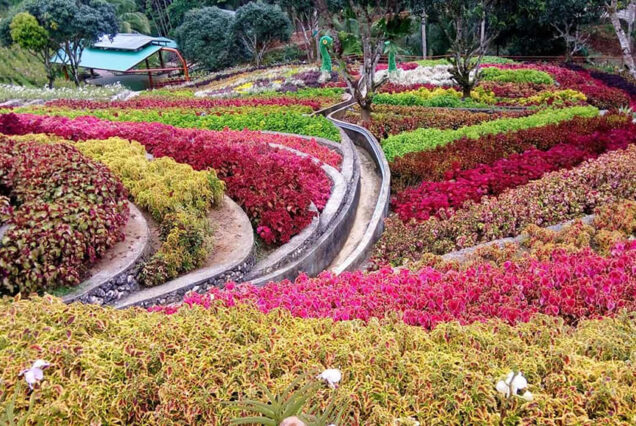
(259, 25)
(76, 24)
(471, 27)
(374, 22)
(31, 36)
(305, 17)
(567, 17)
(129, 18)
(206, 37)
(612, 8)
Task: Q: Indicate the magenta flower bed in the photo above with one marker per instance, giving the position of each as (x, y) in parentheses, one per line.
(429, 198)
(572, 286)
(274, 186)
(146, 103)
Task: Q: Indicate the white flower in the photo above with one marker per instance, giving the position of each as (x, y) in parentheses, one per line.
(503, 388)
(332, 376)
(527, 396)
(513, 384)
(34, 374)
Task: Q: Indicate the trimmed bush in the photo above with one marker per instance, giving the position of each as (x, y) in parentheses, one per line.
(131, 367)
(425, 139)
(68, 210)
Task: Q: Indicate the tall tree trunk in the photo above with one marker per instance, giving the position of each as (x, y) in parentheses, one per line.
(623, 40)
(424, 41)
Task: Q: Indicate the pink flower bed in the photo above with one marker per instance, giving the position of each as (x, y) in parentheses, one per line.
(147, 103)
(572, 286)
(429, 198)
(275, 187)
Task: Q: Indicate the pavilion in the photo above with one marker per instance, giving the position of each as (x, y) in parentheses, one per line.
(124, 52)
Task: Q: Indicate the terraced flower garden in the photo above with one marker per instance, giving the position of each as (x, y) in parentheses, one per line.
(446, 242)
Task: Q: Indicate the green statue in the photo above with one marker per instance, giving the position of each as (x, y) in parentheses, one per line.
(325, 42)
(391, 49)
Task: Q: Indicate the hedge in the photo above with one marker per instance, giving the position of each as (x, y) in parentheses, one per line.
(613, 224)
(67, 211)
(275, 119)
(176, 196)
(424, 139)
(389, 120)
(279, 206)
(516, 76)
(437, 97)
(441, 198)
(556, 197)
(465, 153)
(132, 367)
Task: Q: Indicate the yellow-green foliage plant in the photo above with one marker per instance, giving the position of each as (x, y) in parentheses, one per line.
(176, 196)
(133, 367)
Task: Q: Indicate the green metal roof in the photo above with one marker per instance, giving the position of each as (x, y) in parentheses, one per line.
(113, 55)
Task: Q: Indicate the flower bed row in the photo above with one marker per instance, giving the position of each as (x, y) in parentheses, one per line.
(441, 198)
(425, 139)
(437, 97)
(132, 367)
(516, 76)
(175, 195)
(610, 227)
(389, 120)
(279, 206)
(598, 94)
(68, 210)
(556, 197)
(198, 103)
(589, 286)
(465, 153)
(255, 118)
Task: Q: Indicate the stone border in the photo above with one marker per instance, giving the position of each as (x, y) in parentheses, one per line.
(364, 139)
(107, 286)
(461, 255)
(199, 279)
(290, 259)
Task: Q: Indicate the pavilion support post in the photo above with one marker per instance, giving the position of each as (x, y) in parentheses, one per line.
(149, 73)
(161, 59)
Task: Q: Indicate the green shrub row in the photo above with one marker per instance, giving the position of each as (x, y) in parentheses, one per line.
(275, 119)
(516, 76)
(424, 139)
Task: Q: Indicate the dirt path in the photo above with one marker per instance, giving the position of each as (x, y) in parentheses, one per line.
(232, 233)
(370, 182)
